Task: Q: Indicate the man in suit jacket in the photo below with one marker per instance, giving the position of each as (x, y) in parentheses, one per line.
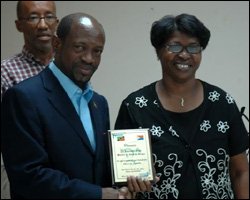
(54, 125)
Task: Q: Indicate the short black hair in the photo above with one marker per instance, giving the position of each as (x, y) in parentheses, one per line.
(64, 26)
(66, 23)
(163, 28)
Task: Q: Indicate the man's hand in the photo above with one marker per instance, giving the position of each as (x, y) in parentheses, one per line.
(124, 193)
(111, 193)
(137, 184)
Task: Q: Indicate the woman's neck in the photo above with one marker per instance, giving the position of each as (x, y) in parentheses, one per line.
(179, 88)
(180, 97)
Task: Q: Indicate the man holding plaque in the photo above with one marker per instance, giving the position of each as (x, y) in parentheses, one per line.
(54, 140)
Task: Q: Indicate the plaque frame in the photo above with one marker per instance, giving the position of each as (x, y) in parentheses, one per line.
(130, 154)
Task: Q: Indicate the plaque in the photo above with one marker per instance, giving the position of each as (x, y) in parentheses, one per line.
(130, 154)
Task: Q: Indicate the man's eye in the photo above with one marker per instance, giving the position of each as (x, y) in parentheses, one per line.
(79, 48)
(98, 52)
(33, 18)
(49, 17)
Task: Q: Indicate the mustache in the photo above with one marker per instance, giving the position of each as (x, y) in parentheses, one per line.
(43, 33)
(85, 65)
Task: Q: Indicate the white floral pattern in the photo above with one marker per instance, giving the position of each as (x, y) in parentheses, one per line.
(173, 132)
(214, 96)
(141, 101)
(205, 125)
(155, 102)
(156, 130)
(229, 99)
(222, 126)
(168, 185)
(210, 188)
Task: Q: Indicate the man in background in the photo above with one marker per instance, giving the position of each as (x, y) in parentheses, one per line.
(37, 21)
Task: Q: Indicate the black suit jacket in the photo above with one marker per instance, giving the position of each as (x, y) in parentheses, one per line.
(45, 149)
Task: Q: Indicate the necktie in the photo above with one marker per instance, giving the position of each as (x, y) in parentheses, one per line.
(86, 120)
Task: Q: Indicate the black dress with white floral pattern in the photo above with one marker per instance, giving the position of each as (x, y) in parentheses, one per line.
(191, 150)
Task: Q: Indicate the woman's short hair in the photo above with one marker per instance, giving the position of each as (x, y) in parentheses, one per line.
(163, 28)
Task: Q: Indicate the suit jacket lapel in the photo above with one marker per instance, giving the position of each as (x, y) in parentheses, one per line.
(95, 115)
(61, 102)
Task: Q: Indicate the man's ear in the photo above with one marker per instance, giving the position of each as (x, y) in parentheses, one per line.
(19, 25)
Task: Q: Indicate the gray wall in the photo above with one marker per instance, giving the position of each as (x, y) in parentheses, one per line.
(129, 61)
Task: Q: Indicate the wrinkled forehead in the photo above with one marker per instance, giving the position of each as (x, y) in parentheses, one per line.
(37, 7)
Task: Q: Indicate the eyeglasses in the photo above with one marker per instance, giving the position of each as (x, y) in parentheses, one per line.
(36, 19)
(177, 48)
